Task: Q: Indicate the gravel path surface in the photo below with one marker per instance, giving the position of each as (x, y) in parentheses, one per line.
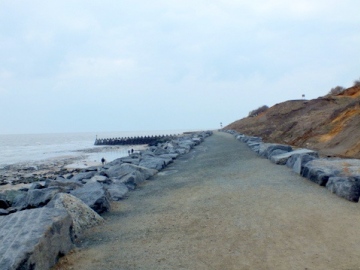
(223, 207)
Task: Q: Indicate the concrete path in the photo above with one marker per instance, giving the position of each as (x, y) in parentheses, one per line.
(223, 207)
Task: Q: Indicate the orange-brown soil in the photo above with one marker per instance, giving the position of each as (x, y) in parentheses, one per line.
(329, 124)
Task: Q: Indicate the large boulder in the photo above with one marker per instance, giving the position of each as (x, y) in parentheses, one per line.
(13, 196)
(318, 175)
(266, 149)
(65, 184)
(99, 178)
(159, 151)
(34, 239)
(248, 139)
(117, 161)
(255, 146)
(117, 190)
(282, 158)
(276, 152)
(93, 195)
(131, 180)
(169, 156)
(119, 171)
(345, 187)
(320, 170)
(83, 216)
(156, 163)
(130, 160)
(297, 162)
(83, 175)
(35, 198)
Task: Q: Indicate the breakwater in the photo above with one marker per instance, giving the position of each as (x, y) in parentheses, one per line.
(151, 140)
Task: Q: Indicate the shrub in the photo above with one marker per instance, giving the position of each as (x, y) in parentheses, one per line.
(357, 82)
(258, 111)
(336, 90)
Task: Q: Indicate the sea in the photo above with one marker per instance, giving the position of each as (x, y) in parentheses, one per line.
(32, 148)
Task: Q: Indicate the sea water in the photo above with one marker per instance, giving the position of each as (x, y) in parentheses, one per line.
(21, 148)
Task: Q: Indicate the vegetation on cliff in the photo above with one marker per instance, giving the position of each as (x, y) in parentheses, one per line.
(329, 124)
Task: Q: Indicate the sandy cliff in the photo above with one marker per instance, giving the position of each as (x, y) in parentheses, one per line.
(329, 124)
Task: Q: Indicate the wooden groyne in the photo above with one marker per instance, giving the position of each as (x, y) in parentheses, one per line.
(134, 140)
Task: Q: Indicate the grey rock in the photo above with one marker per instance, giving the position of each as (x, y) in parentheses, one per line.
(91, 169)
(320, 170)
(68, 176)
(168, 156)
(100, 179)
(266, 149)
(83, 175)
(297, 162)
(282, 159)
(94, 195)
(345, 187)
(160, 151)
(119, 171)
(147, 153)
(117, 190)
(4, 212)
(65, 184)
(317, 173)
(13, 196)
(275, 153)
(117, 161)
(36, 185)
(255, 146)
(34, 239)
(130, 160)
(156, 163)
(131, 180)
(83, 217)
(188, 144)
(248, 139)
(182, 151)
(36, 198)
(197, 141)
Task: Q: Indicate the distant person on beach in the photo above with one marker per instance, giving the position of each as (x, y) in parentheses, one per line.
(129, 152)
(103, 161)
(132, 151)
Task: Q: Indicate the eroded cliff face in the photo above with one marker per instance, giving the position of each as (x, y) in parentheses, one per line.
(329, 124)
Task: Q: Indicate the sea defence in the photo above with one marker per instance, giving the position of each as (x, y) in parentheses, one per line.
(223, 207)
(338, 175)
(151, 140)
(40, 223)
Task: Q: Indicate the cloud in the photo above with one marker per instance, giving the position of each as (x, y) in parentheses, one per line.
(185, 62)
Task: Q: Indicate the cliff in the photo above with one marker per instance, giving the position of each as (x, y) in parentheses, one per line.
(329, 124)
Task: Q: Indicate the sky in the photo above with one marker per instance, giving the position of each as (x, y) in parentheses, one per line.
(96, 66)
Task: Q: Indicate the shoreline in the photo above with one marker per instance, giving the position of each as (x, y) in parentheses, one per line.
(27, 172)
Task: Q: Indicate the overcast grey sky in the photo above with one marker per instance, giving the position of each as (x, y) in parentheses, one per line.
(71, 66)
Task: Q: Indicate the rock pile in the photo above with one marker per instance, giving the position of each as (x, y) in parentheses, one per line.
(340, 176)
(40, 223)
